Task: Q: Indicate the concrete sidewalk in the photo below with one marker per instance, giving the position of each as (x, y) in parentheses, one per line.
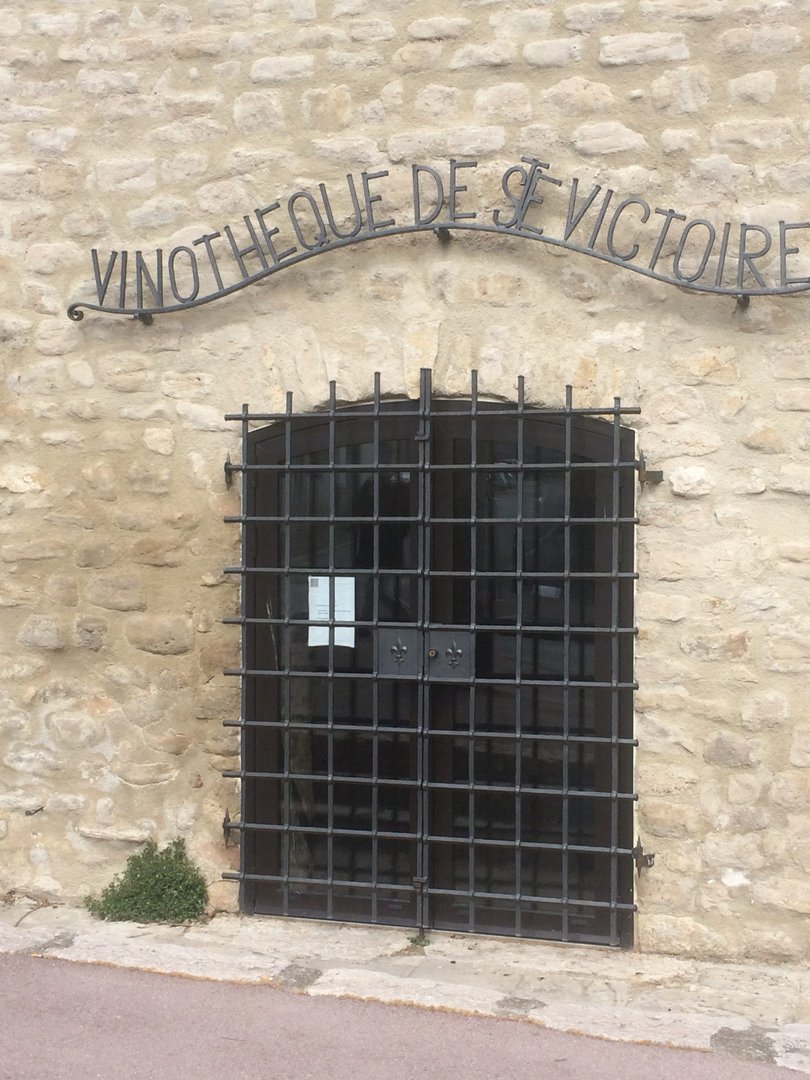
(752, 1012)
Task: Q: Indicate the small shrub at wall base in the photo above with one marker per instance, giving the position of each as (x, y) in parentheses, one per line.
(156, 886)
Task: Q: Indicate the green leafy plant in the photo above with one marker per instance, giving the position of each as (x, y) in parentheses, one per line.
(156, 886)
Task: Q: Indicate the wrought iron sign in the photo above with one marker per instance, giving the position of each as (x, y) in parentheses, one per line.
(662, 244)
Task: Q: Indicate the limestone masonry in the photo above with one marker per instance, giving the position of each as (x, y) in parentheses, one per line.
(151, 126)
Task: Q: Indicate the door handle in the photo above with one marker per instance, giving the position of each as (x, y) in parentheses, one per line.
(433, 653)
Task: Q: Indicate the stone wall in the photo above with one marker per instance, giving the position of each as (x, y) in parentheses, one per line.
(144, 126)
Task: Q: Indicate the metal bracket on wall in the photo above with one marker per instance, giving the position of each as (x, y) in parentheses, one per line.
(643, 859)
(228, 827)
(229, 470)
(648, 476)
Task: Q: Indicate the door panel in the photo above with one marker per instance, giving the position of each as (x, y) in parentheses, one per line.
(454, 749)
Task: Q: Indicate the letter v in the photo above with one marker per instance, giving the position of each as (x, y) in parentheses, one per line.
(102, 286)
(574, 216)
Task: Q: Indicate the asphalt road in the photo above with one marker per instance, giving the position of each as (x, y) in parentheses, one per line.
(67, 1021)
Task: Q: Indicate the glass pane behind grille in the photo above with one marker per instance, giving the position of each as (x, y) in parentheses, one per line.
(452, 747)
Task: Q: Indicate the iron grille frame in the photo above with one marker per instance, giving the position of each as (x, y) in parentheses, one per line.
(617, 470)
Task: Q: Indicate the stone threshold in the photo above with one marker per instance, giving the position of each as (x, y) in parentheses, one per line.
(751, 1012)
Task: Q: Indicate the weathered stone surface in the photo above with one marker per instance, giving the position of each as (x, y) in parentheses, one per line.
(438, 28)
(90, 632)
(169, 550)
(787, 647)
(767, 437)
(757, 87)
(166, 740)
(760, 40)
(607, 137)
(642, 48)
(75, 729)
(794, 479)
(272, 69)
(202, 417)
(729, 750)
(20, 479)
(166, 635)
(557, 53)
(690, 481)
(145, 774)
(663, 607)
(579, 96)
(42, 632)
(732, 645)
(119, 592)
(123, 836)
(95, 554)
(149, 479)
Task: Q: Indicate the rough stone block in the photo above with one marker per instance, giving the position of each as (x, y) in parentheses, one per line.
(259, 110)
(145, 774)
(682, 91)
(471, 141)
(698, 10)
(497, 54)
(554, 54)
(755, 87)
(515, 24)
(158, 212)
(327, 109)
(90, 632)
(772, 40)
(165, 635)
(733, 135)
(439, 28)
(608, 137)
(282, 68)
(787, 647)
(578, 96)
(616, 50)
(586, 17)
(96, 82)
(42, 632)
(690, 481)
(149, 479)
(505, 101)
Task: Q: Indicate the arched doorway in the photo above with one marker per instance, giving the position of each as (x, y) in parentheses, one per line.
(437, 684)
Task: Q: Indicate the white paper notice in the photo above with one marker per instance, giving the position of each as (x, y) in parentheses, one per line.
(319, 610)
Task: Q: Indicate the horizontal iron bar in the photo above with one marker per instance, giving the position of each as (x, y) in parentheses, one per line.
(483, 409)
(427, 785)
(529, 631)
(364, 676)
(416, 573)
(331, 468)
(382, 730)
(454, 841)
(470, 894)
(382, 519)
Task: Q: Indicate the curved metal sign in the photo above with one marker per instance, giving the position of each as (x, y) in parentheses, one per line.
(691, 253)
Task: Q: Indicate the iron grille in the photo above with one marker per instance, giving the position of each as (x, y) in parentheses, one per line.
(437, 666)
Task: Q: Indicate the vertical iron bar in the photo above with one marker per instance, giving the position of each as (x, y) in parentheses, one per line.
(471, 852)
(423, 716)
(519, 557)
(243, 682)
(330, 714)
(566, 672)
(375, 619)
(614, 674)
(287, 480)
